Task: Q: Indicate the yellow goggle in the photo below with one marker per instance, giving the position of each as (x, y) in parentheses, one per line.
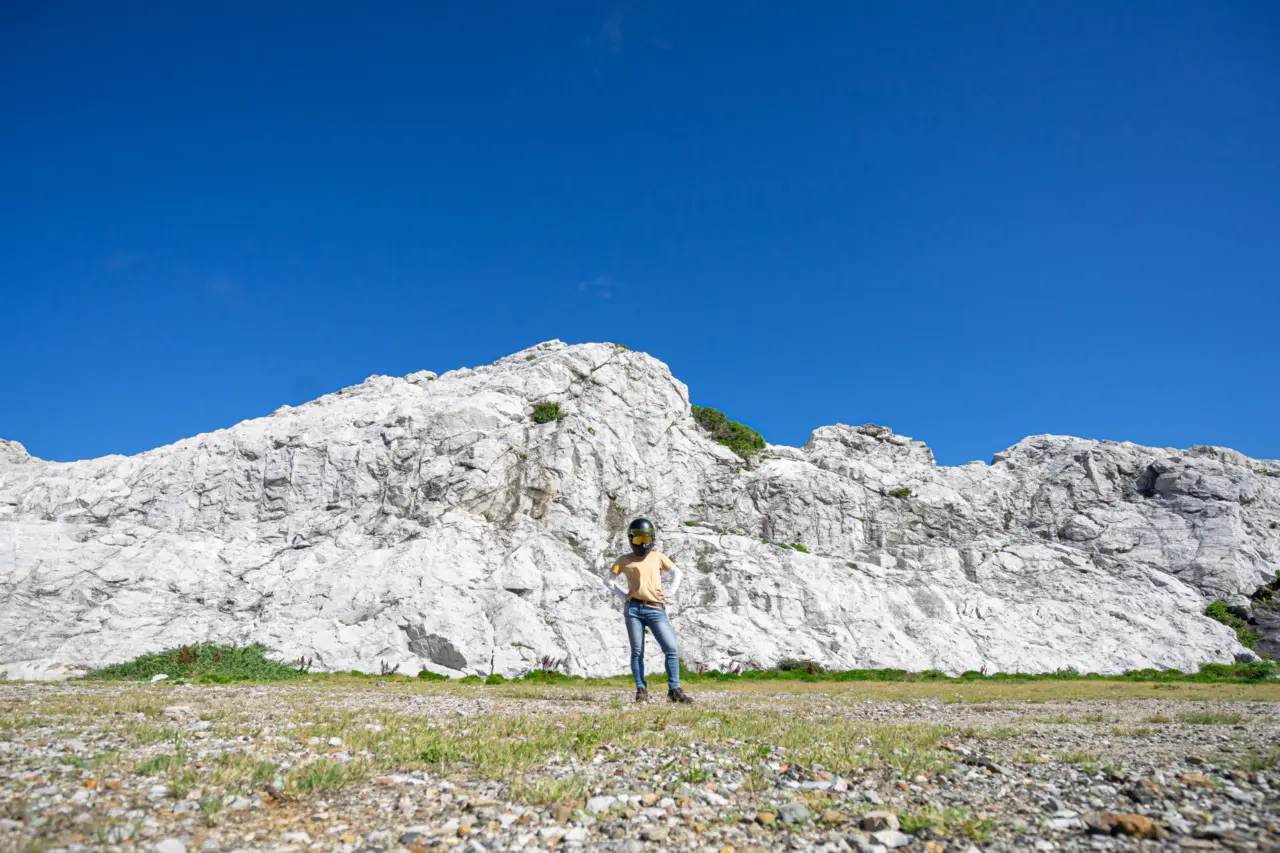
(641, 538)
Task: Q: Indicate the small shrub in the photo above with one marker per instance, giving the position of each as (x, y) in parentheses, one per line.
(495, 678)
(202, 661)
(793, 665)
(428, 675)
(1266, 472)
(739, 438)
(546, 412)
(1218, 610)
(903, 492)
(591, 430)
(529, 358)
(798, 547)
(691, 524)
(620, 346)
(471, 679)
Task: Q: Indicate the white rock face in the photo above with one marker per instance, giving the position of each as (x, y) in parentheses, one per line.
(427, 522)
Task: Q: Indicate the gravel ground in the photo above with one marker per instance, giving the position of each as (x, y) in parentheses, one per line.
(289, 768)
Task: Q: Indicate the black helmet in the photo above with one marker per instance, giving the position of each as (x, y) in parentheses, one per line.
(641, 533)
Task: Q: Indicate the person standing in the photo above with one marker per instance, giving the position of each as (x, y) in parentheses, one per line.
(644, 605)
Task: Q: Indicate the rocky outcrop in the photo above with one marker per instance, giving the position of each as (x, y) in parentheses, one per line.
(427, 521)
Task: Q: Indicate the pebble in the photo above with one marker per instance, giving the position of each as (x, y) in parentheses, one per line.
(793, 813)
(1036, 804)
(600, 805)
(891, 838)
(169, 845)
(878, 820)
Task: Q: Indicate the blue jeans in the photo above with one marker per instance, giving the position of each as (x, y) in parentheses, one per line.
(640, 616)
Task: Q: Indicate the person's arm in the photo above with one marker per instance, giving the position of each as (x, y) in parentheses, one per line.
(610, 583)
(676, 577)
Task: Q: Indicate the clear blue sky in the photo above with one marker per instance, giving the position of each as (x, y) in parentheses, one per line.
(967, 221)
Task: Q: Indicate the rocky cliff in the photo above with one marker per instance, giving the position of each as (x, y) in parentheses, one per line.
(427, 521)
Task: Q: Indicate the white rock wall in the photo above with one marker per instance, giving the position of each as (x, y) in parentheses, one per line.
(427, 521)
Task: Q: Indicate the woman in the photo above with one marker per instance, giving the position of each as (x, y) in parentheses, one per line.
(645, 605)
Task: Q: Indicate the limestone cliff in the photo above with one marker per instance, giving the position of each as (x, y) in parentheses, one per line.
(427, 521)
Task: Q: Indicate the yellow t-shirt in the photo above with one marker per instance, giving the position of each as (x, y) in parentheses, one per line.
(643, 575)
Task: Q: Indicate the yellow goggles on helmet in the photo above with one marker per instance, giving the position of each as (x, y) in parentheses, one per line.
(641, 538)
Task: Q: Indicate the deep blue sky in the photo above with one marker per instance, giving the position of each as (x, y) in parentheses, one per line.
(967, 221)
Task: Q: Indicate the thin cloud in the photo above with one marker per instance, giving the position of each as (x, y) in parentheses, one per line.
(600, 287)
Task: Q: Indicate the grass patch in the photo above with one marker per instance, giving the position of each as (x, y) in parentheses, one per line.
(181, 775)
(739, 438)
(903, 492)
(947, 822)
(506, 747)
(1208, 719)
(541, 791)
(1139, 732)
(1218, 610)
(546, 412)
(206, 662)
(1256, 761)
(238, 771)
(1088, 761)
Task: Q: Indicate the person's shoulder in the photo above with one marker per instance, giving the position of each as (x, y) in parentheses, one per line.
(664, 559)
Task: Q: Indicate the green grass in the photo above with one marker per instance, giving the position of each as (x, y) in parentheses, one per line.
(739, 438)
(505, 747)
(796, 546)
(207, 662)
(947, 822)
(1139, 731)
(213, 663)
(903, 492)
(327, 775)
(1218, 610)
(1088, 761)
(546, 412)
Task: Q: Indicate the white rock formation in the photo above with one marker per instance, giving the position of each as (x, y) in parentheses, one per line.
(427, 522)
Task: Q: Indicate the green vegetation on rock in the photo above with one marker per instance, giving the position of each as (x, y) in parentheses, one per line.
(739, 438)
(1218, 610)
(546, 412)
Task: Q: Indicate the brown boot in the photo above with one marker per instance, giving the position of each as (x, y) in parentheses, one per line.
(642, 694)
(679, 695)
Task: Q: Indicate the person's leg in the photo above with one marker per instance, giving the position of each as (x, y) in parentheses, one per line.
(635, 634)
(660, 625)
